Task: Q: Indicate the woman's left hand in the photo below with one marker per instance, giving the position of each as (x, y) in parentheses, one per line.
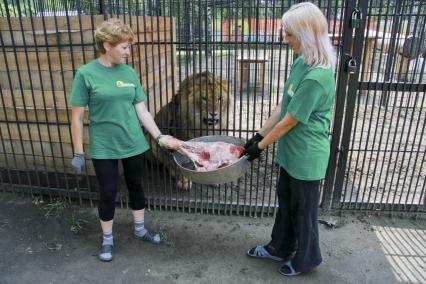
(169, 142)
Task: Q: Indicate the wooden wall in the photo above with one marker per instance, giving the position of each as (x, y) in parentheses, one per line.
(39, 58)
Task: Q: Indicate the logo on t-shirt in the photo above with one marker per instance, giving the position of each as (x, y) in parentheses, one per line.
(121, 84)
(290, 91)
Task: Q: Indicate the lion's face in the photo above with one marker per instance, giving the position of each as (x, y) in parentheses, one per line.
(211, 102)
(199, 108)
(203, 104)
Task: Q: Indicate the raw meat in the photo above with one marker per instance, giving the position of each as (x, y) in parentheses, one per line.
(208, 156)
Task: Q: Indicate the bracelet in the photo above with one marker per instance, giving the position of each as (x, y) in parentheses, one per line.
(158, 138)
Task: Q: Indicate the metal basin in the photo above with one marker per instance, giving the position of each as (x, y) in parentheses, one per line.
(219, 176)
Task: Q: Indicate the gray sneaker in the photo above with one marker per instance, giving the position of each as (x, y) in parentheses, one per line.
(149, 236)
(107, 253)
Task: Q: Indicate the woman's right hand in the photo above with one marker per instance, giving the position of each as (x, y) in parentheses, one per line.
(78, 163)
(256, 138)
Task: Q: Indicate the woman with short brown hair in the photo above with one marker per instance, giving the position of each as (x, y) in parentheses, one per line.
(115, 99)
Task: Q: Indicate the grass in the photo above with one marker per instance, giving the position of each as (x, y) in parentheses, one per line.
(59, 207)
(166, 235)
(55, 208)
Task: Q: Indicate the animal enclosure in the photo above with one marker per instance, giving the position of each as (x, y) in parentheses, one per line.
(378, 145)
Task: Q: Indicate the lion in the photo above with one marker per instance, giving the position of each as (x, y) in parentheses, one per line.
(199, 108)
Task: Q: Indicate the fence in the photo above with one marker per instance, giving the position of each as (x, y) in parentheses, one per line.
(381, 153)
(377, 138)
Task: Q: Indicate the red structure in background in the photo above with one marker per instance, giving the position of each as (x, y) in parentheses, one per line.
(246, 29)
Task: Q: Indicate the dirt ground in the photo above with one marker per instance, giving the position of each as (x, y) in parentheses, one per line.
(52, 242)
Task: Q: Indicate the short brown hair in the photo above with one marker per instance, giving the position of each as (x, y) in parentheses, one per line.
(112, 31)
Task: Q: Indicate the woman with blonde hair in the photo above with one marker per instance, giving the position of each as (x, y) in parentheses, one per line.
(115, 98)
(300, 124)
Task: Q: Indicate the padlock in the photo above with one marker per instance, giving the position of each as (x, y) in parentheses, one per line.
(351, 66)
(356, 18)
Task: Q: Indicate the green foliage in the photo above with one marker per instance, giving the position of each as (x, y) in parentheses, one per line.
(23, 9)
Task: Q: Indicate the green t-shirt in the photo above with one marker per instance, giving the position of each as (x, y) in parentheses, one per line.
(110, 93)
(308, 96)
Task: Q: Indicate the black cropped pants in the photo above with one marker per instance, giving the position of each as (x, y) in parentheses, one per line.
(107, 175)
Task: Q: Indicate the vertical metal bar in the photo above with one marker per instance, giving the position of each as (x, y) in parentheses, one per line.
(200, 62)
(211, 38)
(160, 92)
(100, 5)
(336, 166)
(172, 56)
(364, 122)
(266, 47)
(154, 92)
(189, 47)
(391, 55)
(248, 7)
(179, 64)
(256, 12)
(205, 8)
(7, 166)
(352, 86)
(336, 31)
(236, 86)
(215, 35)
(166, 42)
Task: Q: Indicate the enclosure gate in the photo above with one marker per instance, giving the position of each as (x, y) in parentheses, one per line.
(378, 134)
(378, 143)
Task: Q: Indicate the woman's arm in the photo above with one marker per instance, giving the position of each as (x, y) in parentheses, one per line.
(279, 130)
(271, 121)
(77, 129)
(146, 119)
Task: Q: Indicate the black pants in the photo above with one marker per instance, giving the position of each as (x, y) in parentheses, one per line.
(296, 223)
(107, 175)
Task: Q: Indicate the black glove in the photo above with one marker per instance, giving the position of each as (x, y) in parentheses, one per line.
(253, 152)
(255, 138)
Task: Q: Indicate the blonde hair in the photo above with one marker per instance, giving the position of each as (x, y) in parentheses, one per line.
(308, 24)
(112, 31)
